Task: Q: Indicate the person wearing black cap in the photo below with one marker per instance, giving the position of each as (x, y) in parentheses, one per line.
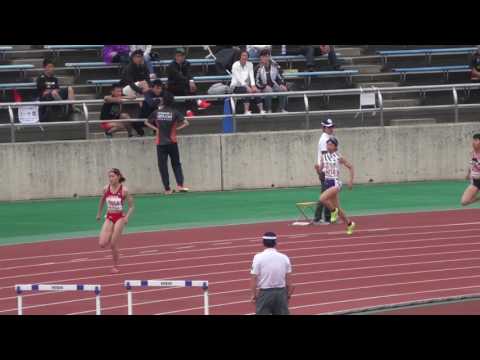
(328, 128)
(271, 283)
(181, 83)
(330, 164)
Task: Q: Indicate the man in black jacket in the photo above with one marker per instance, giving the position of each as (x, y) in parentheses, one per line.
(135, 82)
(181, 83)
(135, 76)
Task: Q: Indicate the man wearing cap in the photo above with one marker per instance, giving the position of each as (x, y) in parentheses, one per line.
(328, 127)
(181, 83)
(271, 284)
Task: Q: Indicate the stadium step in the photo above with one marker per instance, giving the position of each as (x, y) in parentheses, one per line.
(85, 97)
(379, 84)
(349, 51)
(101, 135)
(37, 62)
(413, 121)
(364, 68)
(401, 102)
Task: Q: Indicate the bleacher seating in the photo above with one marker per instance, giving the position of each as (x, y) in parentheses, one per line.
(431, 70)
(363, 66)
(425, 52)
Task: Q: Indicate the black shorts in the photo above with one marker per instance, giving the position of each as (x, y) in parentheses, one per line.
(476, 183)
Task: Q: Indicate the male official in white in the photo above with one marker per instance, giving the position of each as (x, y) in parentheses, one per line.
(271, 283)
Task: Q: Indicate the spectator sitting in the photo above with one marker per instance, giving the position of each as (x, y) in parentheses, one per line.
(49, 89)
(112, 110)
(135, 75)
(225, 57)
(475, 76)
(255, 50)
(269, 79)
(116, 54)
(311, 51)
(181, 83)
(153, 98)
(147, 49)
(243, 79)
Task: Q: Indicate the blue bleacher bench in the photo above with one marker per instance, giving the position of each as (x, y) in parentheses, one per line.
(16, 67)
(218, 78)
(427, 52)
(74, 47)
(432, 69)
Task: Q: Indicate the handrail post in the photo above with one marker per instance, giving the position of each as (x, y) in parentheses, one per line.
(455, 101)
(380, 101)
(87, 125)
(307, 111)
(12, 124)
(234, 111)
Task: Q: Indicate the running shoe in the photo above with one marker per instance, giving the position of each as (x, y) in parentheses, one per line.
(182, 189)
(350, 228)
(114, 270)
(334, 216)
(190, 114)
(168, 192)
(203, 104)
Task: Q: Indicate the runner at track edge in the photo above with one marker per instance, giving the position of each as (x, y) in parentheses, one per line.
(114, 194)
(470, 194)
(330, 164)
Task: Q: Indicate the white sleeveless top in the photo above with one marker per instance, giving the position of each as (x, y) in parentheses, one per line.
(475, 166)
(331, 165)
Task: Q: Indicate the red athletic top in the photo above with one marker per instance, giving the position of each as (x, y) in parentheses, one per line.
(115, 200)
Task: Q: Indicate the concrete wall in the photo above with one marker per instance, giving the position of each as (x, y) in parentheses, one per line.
(61, 169)
(238, 161)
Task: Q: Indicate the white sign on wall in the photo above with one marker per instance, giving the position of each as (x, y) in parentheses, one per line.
(28, 114)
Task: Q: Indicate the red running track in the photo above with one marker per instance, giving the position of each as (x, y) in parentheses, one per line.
(389, 259)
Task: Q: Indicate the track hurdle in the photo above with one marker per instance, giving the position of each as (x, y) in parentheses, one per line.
(20, 289)
(130, 284)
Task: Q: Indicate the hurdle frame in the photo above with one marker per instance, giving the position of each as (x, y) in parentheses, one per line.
(130, 284)
(21, 288)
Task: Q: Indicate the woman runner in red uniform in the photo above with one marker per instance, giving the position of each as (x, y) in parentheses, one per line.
(114, 195)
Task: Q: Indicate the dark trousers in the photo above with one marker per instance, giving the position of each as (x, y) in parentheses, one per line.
(183, 90)
(163, 152)
(311, 51)
(320, 208)
(272, 302)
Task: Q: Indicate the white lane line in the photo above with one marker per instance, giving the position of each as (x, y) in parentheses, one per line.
(297, 265)
(250, 254)
(185, 247)
(252, 239)
(148, 251)
(323, 292)
(285, 246)
(325, 281)
(220, 244)
(79, 260)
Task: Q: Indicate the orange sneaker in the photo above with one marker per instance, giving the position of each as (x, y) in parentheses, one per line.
(190, 114)
(203, 104)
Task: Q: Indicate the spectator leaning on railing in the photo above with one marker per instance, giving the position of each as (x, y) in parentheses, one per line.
(181, 83)
(49, 89)
(475, 76)
(112, 110)
(243, 79)
(153, 98)
(147, 49)
(116, 54)
(269, 79)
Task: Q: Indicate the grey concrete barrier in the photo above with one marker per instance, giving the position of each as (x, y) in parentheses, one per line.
(238, 161)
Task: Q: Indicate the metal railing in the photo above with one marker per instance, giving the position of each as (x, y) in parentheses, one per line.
(306, 95)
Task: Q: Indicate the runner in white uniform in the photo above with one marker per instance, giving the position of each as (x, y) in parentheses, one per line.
(330, 164)
(470, 194)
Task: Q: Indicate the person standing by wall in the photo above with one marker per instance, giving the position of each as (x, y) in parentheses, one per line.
(166, 121)
(271, 283)
(328, 128)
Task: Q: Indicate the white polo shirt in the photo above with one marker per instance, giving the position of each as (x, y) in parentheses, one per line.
(322, 146)
(271, 266)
